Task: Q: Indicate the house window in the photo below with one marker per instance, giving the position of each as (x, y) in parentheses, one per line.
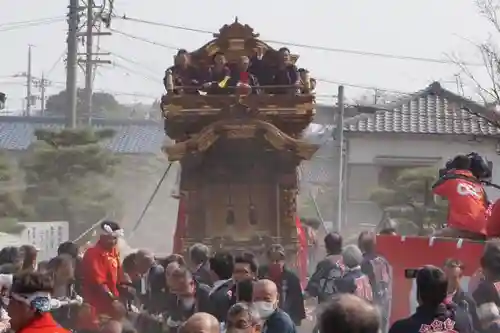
(388, 175)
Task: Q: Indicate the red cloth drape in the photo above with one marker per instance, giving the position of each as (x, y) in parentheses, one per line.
(302, 254)
(180, 228)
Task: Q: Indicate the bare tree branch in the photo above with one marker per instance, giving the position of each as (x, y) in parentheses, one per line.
(490, 55)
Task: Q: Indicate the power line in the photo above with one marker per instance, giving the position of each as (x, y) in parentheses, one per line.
(33, 24)
(312, 47)
(32, 21)
(54, 65)
(145, 40)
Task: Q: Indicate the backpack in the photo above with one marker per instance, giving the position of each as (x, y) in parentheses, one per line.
(323, 281)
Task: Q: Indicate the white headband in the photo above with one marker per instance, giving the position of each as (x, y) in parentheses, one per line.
(106, 230)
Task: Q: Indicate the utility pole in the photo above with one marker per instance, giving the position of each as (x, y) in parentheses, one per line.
(71, 61)
(341, 159)
(93, 28)
(28, 84)
(43, 86)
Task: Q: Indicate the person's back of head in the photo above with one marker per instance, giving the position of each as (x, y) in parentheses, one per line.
(29, 256)
(432, 286)
(333, 243)
(352, 256)
(461, 162)
(201, 322)
(11, 255)
(173, 258)
(222, 264)
(347, 313)
(367, 242)
(27, 283)
(199, 253)
(244, 291)
(69, 248)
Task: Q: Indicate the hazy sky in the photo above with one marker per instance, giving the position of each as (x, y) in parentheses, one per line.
(423, 28)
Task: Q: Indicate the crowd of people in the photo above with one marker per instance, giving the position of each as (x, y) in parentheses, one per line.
(97, 292)
(222, 77)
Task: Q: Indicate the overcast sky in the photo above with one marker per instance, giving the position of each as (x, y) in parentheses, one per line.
(423, 28)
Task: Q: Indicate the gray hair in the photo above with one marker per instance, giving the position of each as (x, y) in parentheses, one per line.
(239, 308)
(352, 256)
(199, 253)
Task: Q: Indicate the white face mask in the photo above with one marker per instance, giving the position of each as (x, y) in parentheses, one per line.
(264, 309)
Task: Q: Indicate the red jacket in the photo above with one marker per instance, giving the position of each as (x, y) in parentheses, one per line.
(467, 202)
(99, 267)
(43, 324)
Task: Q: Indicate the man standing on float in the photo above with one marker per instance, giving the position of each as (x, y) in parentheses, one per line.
(101, 275)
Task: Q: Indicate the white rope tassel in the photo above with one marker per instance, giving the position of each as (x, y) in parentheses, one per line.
(460, 242)
(431, 241)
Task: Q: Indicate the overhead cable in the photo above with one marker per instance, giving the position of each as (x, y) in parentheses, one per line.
(45, 19)
(311, 47)
(146, 40)
(143, 39)
(33, 24)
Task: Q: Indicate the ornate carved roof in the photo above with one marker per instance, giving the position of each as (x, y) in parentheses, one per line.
(240, 129)
(234, 40)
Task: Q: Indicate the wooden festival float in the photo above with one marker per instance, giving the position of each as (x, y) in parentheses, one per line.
(239, 155)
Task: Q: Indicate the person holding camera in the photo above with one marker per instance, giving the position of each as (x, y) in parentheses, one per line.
(433, 314)
(460, 183)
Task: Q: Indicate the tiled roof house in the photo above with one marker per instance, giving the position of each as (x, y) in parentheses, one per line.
(132, 136)
(422, 129)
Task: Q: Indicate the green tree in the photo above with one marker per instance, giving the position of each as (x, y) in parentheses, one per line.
(11, 205)
(409, 201)
(102, 104)
(67, 176)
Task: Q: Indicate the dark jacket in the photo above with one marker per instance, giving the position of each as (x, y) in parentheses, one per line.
(467, 303)
(151, 295)
(202, 274)
(291, 297)
(66, 316)
(202, 304)
(446, 318)
(322, 283)
(279, 322)
(221, 299)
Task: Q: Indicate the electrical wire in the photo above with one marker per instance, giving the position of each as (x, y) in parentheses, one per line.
(146, 40)
(131, 71)
(33, 24)
(54, 65)
(130, 61)
(31, 21)
(311, 47)
(143, 39)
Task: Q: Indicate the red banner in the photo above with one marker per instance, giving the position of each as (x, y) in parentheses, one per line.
(414, 252)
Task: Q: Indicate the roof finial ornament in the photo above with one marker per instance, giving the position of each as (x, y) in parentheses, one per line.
(236, 19)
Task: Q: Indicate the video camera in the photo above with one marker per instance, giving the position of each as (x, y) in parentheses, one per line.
(479, 166)
(411, 273)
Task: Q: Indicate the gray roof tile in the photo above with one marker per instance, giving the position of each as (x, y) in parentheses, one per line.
(433, 110)
(132, 137)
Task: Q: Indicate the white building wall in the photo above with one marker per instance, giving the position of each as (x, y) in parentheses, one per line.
(363, 165)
